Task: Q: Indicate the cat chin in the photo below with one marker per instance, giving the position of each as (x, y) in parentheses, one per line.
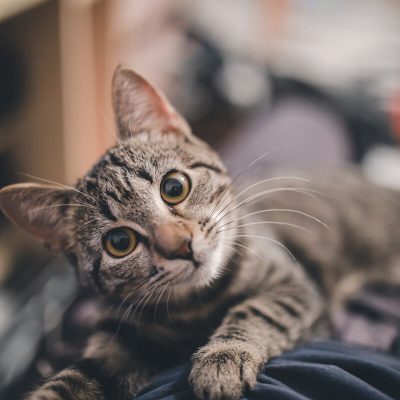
(195, 283)
(211, 270)
(201, 277)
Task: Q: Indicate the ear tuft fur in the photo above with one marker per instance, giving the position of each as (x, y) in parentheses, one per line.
(140, 107)
(39, 210)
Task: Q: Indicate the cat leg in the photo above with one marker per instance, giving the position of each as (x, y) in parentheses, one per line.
(356, 281)
(110, 369)
(253, 331)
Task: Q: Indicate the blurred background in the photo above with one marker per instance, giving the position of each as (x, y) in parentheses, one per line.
(319, 81)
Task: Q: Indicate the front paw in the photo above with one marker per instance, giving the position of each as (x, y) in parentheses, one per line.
(67, 388)
(223, 371)
(47, 394)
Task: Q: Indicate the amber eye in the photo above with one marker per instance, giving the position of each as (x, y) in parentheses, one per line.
(120, 242)
(175, 187)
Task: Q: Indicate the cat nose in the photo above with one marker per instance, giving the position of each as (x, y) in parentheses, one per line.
(173, 241)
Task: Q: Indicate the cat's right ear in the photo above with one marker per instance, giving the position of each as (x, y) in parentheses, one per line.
(140, 107)
(39, 210)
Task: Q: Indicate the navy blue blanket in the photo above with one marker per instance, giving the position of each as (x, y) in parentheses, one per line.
(319, 371)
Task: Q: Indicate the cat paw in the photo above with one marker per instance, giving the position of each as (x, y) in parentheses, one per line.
(45, 395)
(55, 391)
(224, 371)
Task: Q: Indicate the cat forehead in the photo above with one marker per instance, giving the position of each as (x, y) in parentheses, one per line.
(143, 155)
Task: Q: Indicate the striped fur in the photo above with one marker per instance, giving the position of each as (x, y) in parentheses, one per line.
(242, 298)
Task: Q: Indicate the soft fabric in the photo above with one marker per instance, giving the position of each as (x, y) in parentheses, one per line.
(318, 371)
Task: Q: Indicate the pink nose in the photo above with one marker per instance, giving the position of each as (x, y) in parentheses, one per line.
(173, 241)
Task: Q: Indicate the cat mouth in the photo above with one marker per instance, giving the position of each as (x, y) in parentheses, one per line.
(189, 271)
(190, 257)
(196, 263)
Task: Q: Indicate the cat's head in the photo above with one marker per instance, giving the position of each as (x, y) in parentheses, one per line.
(144, 218)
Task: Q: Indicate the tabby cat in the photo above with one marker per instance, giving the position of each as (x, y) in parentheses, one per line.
(187, 268)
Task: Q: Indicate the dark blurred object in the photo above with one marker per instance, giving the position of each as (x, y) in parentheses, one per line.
(197, 94)
(365, 121)
(12, 80)
(372, 318)
(31, 336)
(234, 102)
(12, 94)
(394, 113)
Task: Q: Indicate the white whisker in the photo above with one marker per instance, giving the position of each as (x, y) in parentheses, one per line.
(288, 210)
(125, 315)
(264, 193)
(169, 294)
(58, 184)
(154, 291)
(130, 295)
(266, 238)
(249, 249)
(158, 301)
(62, 205)
(235, 250)
(236, 178)
(146, 296)
(260, 183)
(267, 223)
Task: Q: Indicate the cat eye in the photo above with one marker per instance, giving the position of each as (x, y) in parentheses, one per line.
(175, 187)
(120, 242)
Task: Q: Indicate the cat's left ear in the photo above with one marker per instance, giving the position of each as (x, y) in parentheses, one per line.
(140, 107)
(39, 210)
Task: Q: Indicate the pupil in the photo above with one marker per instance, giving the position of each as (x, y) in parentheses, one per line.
(119, 240)
(173, 187)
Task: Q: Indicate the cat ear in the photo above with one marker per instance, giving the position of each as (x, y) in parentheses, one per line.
(39, 210)
(139, 107)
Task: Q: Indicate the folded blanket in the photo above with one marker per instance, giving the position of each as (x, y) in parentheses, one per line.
(321, 370)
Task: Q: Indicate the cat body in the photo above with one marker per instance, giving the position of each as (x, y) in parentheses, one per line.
(186, 267)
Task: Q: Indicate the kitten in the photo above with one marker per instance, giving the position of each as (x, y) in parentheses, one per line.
(191, 269)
